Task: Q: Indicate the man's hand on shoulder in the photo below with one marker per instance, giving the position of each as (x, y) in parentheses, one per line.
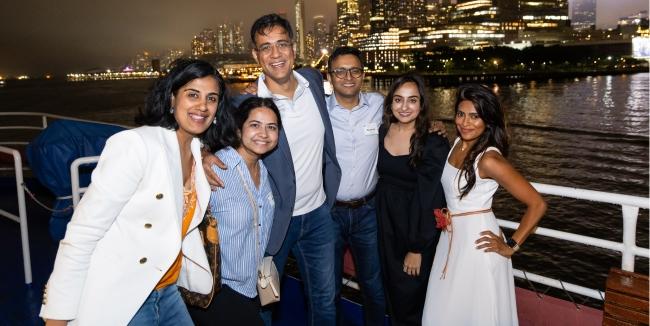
(250, 89)
(438, 127)
(208, 160)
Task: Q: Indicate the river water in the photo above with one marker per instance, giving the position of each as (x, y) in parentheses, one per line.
(588, 132)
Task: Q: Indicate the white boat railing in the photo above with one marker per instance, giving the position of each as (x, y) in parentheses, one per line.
(45, 117)
(18, 168)
(21, 218)
(628, 248)
(630, 206)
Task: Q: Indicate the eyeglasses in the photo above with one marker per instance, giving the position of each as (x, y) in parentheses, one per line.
(267, 48)
(343, 72)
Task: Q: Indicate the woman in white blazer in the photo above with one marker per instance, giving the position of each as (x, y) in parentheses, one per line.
(133, 237)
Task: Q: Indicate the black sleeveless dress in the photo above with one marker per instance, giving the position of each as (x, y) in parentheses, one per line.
(405, 199)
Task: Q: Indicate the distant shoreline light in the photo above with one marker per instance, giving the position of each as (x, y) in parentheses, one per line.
(111, 75)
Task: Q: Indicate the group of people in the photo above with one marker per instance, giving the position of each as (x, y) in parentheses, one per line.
(284, 169)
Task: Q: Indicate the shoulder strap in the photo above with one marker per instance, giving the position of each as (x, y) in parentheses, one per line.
(251, 200)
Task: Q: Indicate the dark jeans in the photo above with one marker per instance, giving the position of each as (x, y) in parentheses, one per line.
(357, 227)
(310, 238)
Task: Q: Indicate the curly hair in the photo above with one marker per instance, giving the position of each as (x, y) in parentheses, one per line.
(489, 110)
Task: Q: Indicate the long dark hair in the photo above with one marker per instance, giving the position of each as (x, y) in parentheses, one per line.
(419, 137)
(159, 100)
(489, 110)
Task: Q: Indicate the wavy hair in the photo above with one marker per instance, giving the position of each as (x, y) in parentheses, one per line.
(489, 110)
(159, 100)
(419, 137)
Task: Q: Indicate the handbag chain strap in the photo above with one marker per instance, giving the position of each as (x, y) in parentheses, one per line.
(251, 199)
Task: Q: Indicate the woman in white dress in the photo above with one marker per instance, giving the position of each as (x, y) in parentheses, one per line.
(471, 280)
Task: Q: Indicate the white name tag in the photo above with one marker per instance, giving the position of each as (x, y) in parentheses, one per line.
(269, 198)
(371, 129)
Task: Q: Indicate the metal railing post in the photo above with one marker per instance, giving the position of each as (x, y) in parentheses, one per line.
(630, 216)
(22, 212)
(74, 177)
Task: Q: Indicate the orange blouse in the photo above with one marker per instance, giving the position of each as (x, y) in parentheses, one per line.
(189, 206)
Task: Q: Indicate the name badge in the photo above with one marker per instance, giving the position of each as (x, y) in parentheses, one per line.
(371, 129)
(269, 198)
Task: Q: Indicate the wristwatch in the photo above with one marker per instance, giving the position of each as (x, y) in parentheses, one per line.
(512, 243)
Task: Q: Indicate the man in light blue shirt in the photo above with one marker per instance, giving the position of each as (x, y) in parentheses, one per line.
(355, 118)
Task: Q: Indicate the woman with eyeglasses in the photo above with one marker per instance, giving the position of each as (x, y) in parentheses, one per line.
(133, 238)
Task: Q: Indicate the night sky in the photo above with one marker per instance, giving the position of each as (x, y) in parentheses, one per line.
(49, 36)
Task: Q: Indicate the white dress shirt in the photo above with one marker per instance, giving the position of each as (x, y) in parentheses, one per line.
(303, 126)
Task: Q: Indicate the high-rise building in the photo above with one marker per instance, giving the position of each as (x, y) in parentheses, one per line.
(378, 23)
(204, 43)
(169, 56)
(347, 14)
(229, 39)
(320, 36)
(544, 20)
(365, 12)
(142, 62)
(299, 9)
(310, 48)
(406, 14)
(583, 14)
(380, 49)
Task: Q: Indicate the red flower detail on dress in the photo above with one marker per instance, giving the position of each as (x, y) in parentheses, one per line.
(443, 218)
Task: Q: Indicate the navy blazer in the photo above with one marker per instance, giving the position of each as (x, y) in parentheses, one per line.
(280, 166)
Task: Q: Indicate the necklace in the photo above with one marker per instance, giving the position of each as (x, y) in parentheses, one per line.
(463, 147)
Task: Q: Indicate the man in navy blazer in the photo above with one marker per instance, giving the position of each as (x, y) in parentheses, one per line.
(303, 168)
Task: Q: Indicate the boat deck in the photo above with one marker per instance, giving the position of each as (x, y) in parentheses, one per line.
(20, 303)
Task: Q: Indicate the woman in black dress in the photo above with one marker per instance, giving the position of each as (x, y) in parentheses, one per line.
(410, 165)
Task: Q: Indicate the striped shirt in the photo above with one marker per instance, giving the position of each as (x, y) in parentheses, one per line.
(237, 233)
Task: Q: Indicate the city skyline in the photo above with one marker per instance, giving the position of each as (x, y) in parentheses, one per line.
(41, 37)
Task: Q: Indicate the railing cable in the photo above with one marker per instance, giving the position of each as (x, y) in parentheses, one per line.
(569, 295)
(530, 284)
(33, 197)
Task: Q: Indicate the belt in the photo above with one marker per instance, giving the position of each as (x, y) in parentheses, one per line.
(355, 203)
(443, 221)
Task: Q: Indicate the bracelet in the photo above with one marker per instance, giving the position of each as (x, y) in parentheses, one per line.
(512, 243)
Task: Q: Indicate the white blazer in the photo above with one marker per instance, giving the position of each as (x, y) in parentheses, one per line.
(126, 232)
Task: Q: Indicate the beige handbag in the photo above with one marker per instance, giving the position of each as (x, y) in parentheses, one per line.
(268, 282)
(268, 279)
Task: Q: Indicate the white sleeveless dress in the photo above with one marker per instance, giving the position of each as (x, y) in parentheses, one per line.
(478, 287)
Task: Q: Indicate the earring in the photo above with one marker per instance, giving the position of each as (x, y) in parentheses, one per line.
(214, 122)
(171, 110)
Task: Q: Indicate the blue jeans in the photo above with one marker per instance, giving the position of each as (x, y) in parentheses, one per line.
(310, 238)
(357, 227)
(162, 307)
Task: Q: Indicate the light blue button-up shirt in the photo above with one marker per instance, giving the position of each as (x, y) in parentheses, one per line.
(357, 143)
(237, 232)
